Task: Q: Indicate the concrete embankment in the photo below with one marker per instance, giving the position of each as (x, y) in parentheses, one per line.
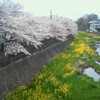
(21, 72)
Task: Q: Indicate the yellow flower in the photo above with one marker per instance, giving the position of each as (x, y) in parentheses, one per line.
(89, 50)
(53, 80)
(70, 70)
(80, 48)
(64, 88)
(68, 67)
(40, 75)
(86, 38)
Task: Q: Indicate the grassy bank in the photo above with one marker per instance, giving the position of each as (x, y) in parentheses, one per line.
(62, 78)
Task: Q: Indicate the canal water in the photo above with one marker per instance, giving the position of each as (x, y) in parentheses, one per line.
(98, 48)
(90, 71)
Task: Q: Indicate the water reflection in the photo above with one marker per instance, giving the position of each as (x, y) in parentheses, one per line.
(92, 73)
(97, 62)
(98, 48)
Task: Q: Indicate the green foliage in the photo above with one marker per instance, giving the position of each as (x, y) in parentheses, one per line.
(84, 21)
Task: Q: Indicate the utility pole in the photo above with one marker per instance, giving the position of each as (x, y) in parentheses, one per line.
(51, 14)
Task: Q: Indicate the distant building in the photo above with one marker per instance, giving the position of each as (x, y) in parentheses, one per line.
(95, 25)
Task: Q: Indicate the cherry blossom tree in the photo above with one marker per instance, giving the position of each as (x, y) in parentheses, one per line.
(18, 27)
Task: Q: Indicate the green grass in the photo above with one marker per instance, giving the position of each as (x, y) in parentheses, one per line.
(61, 78)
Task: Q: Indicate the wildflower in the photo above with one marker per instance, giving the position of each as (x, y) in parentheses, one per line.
(80, 48)
(64, 88)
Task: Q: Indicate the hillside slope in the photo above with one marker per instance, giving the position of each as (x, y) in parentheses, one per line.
(62, 79)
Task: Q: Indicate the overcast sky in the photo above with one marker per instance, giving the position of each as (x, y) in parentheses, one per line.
(72, 9)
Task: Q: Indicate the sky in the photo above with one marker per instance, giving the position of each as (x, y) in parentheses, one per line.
(72, 9)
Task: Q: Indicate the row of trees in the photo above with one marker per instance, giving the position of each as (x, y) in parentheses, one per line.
(18, 28)
(83, 22)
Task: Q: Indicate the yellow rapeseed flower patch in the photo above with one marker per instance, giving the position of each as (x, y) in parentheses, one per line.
(53, 80)
(80, 48)
(63, 55)
(64, 88)
(68, 67)
(70, 70)
(40, 95)
(96, 37)
(40, 75)
(89, 50)
(69, 74)
(86, 38)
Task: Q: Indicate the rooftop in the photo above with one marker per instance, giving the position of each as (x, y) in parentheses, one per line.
(96, 20)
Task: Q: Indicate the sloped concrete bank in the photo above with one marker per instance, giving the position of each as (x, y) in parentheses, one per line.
(24, 70)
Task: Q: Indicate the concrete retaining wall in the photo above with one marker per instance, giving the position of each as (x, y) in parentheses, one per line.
(24, 70)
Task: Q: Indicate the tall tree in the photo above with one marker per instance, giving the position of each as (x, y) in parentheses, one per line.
(84, 21)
